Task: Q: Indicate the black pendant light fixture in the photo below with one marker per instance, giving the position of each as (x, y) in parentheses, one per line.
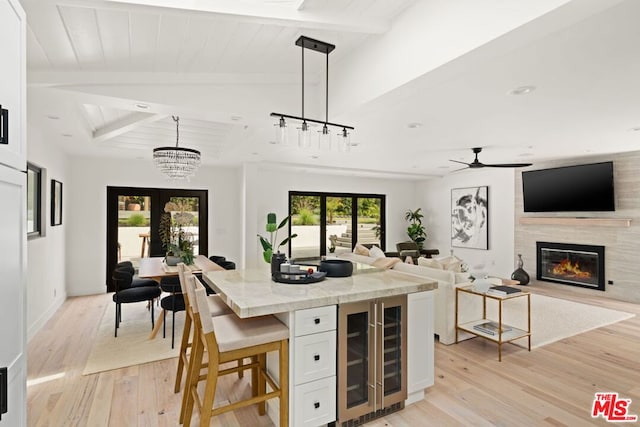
(304, 134)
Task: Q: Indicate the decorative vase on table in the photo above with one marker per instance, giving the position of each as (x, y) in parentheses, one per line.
(276, 260)
(520, 275)
(172, 260)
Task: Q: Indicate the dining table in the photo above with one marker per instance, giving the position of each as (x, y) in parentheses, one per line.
(155, 268)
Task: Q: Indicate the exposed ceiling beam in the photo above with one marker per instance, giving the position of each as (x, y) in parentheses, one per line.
(124, 125)
(74, 78)
(300, 4)
(266, 14)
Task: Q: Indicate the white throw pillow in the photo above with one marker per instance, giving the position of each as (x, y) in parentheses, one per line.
(430, 262)
(376, 252)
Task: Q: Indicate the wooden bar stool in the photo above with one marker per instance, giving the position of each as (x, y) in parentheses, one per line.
(216, 306)
(228, 338)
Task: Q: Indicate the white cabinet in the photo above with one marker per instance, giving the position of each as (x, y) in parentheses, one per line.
(12, 84)
(420, 369)
(13, 233)
(312, 367)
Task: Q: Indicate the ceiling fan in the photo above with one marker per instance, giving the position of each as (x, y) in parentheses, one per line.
(476, 163)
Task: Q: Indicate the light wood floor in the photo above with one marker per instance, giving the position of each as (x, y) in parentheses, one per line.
(553, 385)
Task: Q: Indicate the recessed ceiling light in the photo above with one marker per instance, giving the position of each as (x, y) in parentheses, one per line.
(67, 135)
(635, 129)
(315, 157)
(273, 142)
(52, 117)
(236, 118)
(443, 167)
(414, 125)
(522, 90)
(254, 154)
(142, 106)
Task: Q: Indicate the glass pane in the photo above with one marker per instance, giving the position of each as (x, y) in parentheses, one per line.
(305, 222)
(357, 359)
(369, 220)
(134, 218)
(339, 233)
(184, 218)
(392, 350)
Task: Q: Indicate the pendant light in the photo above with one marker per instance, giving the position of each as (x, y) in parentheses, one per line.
(176, 163)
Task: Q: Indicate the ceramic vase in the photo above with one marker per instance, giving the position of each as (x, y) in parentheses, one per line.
(520, 275)
(276, 260)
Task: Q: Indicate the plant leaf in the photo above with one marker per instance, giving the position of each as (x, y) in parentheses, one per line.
(267, 256)
(284, 222)
(266, 245)
(285, 241)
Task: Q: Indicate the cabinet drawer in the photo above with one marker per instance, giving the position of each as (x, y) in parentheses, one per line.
(314, 356)
(314, 320)
(315, 403)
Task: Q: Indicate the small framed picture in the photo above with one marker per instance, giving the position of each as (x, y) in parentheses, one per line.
(470, 217)
(56, 202)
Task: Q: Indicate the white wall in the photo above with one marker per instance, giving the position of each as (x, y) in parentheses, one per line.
(267, 190)
(46, 271)
(434, 196)
(86, 222)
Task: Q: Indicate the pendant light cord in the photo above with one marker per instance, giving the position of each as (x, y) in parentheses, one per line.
(302, 80)
(326, 98)
(177, 120)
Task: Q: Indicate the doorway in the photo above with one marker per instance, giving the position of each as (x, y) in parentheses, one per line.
(133, 219)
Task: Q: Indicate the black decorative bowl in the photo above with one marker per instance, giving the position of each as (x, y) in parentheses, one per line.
(336, 267)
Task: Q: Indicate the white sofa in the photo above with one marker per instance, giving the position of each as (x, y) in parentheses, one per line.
(444, 297)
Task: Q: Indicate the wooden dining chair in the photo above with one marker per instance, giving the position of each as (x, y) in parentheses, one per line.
(228, 338)
(217, 308)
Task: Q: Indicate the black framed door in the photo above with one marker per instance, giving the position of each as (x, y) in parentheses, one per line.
(133, 218)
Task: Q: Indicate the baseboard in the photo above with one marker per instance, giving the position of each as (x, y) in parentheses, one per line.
(44, 318)
(414, 397)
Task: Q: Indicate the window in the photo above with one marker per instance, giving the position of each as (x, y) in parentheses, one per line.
(334, 222)
(34, 200)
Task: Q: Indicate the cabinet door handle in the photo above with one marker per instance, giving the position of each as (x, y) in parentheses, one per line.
(4, 125)
(316, 405)
(316, 320)
(316, 357)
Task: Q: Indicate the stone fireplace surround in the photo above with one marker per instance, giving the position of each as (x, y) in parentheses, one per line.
(622, 243)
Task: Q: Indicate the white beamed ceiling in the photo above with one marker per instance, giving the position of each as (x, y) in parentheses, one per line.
(114, 72)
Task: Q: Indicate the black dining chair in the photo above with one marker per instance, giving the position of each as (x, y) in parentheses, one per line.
(174, 303)
(125, 293)
(135, 282)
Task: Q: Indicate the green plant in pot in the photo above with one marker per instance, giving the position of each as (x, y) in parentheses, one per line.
(416, 230)
(268, 245)
(176, 241)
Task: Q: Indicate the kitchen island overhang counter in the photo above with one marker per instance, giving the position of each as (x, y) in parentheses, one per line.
(252, 293)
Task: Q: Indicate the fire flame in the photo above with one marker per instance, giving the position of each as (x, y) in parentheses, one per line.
(567, 268)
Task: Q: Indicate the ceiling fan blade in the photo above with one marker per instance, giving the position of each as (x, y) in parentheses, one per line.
(458, 170)
(509, 165)
(462, 163)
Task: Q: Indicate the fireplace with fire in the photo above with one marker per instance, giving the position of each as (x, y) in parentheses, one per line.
(571, 264)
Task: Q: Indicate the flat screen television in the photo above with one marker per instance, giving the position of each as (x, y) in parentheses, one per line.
(581, 188)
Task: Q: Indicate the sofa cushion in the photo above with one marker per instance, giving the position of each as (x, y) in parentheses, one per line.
(386, 262)
(357, 258)
(432, 273)
(376, 252)
(361, 250)
(430, 262)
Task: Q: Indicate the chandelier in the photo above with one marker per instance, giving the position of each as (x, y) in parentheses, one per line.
(176, 162)
(304, 133)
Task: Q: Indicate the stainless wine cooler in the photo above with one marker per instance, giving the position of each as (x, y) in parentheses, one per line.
(372, 359)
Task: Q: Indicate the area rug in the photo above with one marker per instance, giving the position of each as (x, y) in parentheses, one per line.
(132, 346)
(553, 319)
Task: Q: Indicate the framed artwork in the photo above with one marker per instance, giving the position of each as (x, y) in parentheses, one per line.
(56, 202)
(470, 217)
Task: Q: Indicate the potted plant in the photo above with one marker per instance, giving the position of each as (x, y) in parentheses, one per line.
(272, 228)
(176, 241)
(416, 231)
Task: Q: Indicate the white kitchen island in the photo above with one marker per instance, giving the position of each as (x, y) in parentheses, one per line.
(311, 313)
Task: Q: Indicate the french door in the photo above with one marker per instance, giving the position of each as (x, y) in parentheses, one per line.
(334, 222)
(133, 219)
